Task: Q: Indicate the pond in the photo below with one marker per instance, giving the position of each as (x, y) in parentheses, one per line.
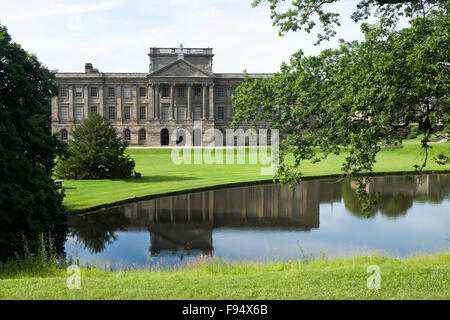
(269, 222)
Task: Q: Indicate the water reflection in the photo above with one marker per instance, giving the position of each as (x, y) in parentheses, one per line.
(185, 224)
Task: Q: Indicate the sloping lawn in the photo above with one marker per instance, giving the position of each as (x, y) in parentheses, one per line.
(161, 175)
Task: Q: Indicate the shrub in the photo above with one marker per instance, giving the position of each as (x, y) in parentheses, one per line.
(96, 152)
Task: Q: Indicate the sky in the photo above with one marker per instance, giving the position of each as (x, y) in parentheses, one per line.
(115, 35)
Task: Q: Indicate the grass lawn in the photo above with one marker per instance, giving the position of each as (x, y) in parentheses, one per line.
(160, 174)
(421, 277)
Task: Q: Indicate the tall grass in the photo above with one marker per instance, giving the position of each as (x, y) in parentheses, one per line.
(45, 262)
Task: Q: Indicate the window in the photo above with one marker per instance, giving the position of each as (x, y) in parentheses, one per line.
(234, 110)
(63, 113)
(94, 92)
(142, 135)
(94, 109)
(165, 113)
(220, 113)
(127, 134)
(127, 93)
(63, 92)
(111, 113)
(78, 113)
(165, 92)
(63, 135)
(142, 113)
(111, 92)
(142, 92)
(220, 92)
(78, 92)
(127, 113)
(252, 117)
(197, 113)
(197, 92)
(181, 113)
(181, 92)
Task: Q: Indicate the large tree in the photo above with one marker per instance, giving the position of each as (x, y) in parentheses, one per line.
(356, 98)
(30, 203)
(96, 152)
(295, 15)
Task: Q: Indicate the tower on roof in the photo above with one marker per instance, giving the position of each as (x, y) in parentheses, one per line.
(200, 57)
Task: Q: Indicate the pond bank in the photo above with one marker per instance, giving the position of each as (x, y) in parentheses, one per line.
(240, 184)
(161, 177)
(420, 277)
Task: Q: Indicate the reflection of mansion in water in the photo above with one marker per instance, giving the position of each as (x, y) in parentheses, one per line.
(187, 221)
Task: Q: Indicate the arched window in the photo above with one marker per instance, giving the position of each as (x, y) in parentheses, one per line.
(142, 135)
(127, 134)
(63, 135)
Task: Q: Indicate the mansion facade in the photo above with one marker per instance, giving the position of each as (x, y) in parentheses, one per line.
(146, 108)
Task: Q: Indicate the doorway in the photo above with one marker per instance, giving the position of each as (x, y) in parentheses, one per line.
(164, 137)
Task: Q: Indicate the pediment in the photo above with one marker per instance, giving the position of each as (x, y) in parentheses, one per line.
(180, 68)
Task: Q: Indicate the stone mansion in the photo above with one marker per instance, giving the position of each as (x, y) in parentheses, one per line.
(146, 108)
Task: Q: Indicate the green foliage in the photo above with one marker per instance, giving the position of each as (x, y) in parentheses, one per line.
(356, 98)
(30, 203)
(305, 14)
(96, 152)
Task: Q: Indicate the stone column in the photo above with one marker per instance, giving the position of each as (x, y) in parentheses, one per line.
(55, 110)
(136, 106)
(203, 101)
(71, 101)
(119, 103)
(101, 105)
(189, 111)
(151, 102)
(156, 103)
(172, 111)
(229, 104)
(86, 102)
(211, 102)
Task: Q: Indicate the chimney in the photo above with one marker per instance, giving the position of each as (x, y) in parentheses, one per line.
(88, 68)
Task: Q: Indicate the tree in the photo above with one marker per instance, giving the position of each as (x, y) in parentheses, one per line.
(30, 203)
(356, 98)
(304, 14)
(96, 152)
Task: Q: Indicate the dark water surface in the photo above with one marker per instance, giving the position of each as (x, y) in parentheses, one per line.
(269, 222)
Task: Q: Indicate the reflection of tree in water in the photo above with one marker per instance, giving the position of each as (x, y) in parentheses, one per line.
(58, 238)
(96, 230)
(395, 195)
(394, 205)
(352, 202)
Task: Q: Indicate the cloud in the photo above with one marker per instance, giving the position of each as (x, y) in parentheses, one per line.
(115, 35)
(31, 10)
(209, 13)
